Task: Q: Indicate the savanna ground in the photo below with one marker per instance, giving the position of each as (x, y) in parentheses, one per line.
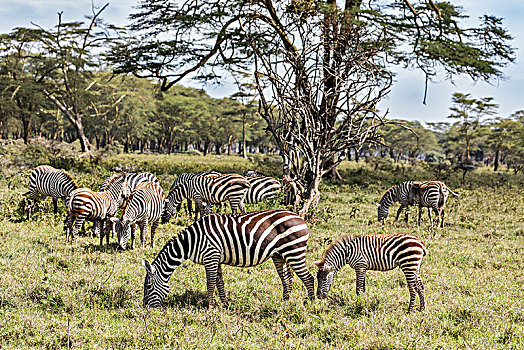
(56, 295)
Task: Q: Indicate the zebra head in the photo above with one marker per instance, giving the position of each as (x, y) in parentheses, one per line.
(123, 231)
(172, 203)
(325, 276)
(382, 211)
(155, 289)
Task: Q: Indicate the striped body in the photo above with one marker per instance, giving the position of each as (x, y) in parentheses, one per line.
(433, 195)
(262, 187)
(188, 176)
(241, 240)
(133, 180)
(378, 253)
(213, 190)
(394, 194)
(143, 207)
(51, 182)
(95, 206)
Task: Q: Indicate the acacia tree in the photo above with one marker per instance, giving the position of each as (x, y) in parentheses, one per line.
(320, 67)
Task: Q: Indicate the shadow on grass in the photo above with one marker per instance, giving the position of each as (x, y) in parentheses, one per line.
(95, 247)
(191, 297)
(361, 306)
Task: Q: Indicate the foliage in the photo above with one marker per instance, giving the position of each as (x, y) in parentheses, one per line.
(84, 296)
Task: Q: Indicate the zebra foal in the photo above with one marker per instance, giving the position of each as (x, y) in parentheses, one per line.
(378, 253)
(210, 189)
(50, 182)
(95, 206)
(241, 240)
(143, 207)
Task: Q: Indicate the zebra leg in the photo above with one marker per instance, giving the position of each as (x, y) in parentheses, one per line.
(143, 232)
(133, 228)
(398, 212)
(361, 279)
(55, 205)
(442, 217)
(199, 208)
(70, 219)
(154, 226)
(420, 291)
(280, 265)
(189, 207)
(411, 279)
(211, 265)
(299, 266)
(220, 287)
(419, 214)
(78, 224)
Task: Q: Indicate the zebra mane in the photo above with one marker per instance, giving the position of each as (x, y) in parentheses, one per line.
(111, 180)
(70, 177)
(339, 241)
(388, 192)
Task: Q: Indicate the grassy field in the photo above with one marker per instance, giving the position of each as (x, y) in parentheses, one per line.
(56, 295)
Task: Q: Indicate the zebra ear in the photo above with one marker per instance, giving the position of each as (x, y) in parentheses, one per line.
(149, 268)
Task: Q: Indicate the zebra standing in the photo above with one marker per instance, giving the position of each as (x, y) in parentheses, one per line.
(86, 204)
(432, 195)
(134, 180)
(187, 176)
(262, 187)
(377, 253)
(213, 190)
(48, 181)
(144, 206)
(241, 240)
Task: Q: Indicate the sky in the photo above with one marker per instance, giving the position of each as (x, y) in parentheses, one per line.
(405, 99)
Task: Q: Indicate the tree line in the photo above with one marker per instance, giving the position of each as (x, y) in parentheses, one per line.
(314, 70)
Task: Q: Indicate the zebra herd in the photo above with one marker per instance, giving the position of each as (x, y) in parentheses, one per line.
(242, 239)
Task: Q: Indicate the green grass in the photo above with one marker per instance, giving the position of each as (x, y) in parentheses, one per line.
(55, 295)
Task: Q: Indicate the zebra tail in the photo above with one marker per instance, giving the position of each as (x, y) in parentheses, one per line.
(456, 194)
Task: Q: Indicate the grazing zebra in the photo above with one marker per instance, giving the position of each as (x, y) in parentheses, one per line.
(144, 206)
(100, 206)
(262, 187)
(187, 176)
(241, 240)
(213, 190)
(431, 195)
(394, 194)
(377, 253)
(48, 181)
(134, 180)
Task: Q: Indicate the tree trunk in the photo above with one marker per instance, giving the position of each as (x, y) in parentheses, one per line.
(244, 154)
(496, 162)
(311, 195)
(85, 145)
(26, 123)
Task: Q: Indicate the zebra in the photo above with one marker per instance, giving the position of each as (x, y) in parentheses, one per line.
(380, 252)
(134, 180)
(262, 187)
(187, 176)
(242, 240)
(432, 195)
(144, 206)
(213, 190)
(86, 204)
(48, 181)
(394, 194)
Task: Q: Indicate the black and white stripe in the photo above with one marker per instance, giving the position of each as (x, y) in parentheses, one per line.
(50, 182)
(377, 253)
(262, 187)
(96, 206)
(144, 207)
(134, 180)
(213, 190)
(394, 194)
(431, 195)
(188, 176)
(241, 240)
